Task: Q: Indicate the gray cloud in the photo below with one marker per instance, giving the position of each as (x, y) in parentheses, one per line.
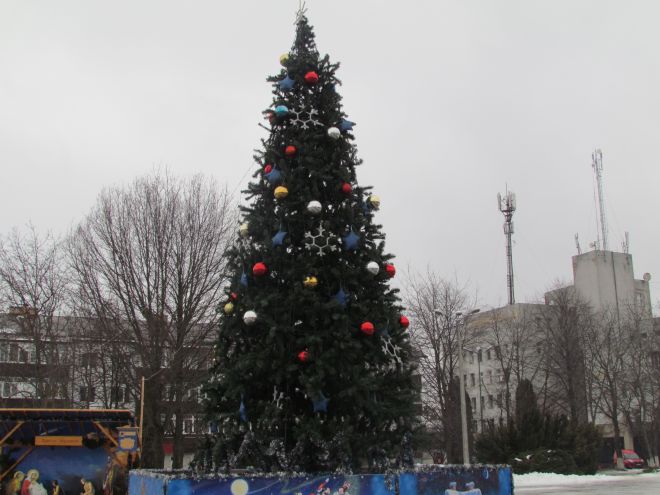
(453, 99)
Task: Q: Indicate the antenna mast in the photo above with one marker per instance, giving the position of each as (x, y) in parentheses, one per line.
(507, 206)
(597, 164)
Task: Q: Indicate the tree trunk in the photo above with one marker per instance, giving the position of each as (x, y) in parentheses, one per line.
(178, 451)
(617, 436)
(152, 436)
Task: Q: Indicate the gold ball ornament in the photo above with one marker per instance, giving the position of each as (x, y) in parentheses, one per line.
(229, 308)
(284, 59)
(281, 192)
(243, 229)
(310, 282)
(374, 201)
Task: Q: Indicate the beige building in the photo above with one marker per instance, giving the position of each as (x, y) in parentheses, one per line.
(506, 344)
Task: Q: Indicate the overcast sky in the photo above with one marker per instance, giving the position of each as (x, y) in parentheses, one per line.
(453, 100)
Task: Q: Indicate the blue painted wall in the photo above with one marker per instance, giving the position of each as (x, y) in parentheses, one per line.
(446, 480)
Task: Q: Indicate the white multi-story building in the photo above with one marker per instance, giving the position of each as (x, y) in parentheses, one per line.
(58, 363)
(506, 344)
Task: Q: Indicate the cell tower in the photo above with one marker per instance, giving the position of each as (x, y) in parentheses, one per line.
(507, 206)
(597, 165)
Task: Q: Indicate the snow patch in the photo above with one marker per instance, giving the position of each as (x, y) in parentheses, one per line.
(553, 479)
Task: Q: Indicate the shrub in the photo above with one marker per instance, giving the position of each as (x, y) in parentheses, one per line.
(544, 461)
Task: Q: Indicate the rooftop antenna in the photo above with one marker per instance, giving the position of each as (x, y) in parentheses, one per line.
(507, 205)
(577, 244)
(625, 245)
(597, 164)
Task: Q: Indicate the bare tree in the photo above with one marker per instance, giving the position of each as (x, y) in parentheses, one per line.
(433, 304)
(565, 322)
(608, 359)
(515, 339)
(150, 267)
(33, 286)
(640, 399)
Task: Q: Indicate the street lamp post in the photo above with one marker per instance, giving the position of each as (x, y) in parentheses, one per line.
(461, 378)
(481, 397)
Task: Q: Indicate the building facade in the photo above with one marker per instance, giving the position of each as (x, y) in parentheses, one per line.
(64, 362)
(507, 344)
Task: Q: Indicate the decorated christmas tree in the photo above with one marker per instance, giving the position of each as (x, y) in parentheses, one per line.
(313, 365)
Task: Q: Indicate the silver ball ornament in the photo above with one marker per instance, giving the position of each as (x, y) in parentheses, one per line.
(250, 317)
(373, 268)
(334, 133)
(314, 207)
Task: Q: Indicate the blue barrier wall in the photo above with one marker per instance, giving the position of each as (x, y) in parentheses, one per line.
(429, 480)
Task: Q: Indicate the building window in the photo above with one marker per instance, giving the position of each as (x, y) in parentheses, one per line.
(473, 402)
(13, 353)
(489, 374)
(193, 394)
(655, 358)
(472, 380)
(498, 353)
(488, 356)
(490, 402)
(499, 399)
(119, 394)
(87, 394)
(471, 358)
(8, 388)
(188, 425)
(89, 360)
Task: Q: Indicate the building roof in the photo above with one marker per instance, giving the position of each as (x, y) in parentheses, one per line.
(23, 425)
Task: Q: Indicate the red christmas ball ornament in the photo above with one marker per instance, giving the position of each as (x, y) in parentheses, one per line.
(270, 116)
(303, 356)
(346, 188)
(404, 322)
(268, 168)
(259, 269)
(367, 328)
(233, 296)
(390, 270)
(311, 77)
(290, 150)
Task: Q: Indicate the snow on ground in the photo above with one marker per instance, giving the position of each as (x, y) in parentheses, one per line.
(553, 479)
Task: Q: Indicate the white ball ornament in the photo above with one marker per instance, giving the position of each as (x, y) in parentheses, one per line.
(334, 133)
(373, 268)
(250, 317)
(243, 229)
(314, 207)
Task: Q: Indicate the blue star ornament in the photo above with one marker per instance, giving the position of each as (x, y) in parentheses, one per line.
(244, 279)
(351, 241)
(278, 238)
(242, 411)
(287, 84)
(274, 177)
(321, 404)
(341, 297)
(346, 125)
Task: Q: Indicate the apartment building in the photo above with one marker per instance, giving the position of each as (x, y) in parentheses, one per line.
(63, 362)
(509, 343)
